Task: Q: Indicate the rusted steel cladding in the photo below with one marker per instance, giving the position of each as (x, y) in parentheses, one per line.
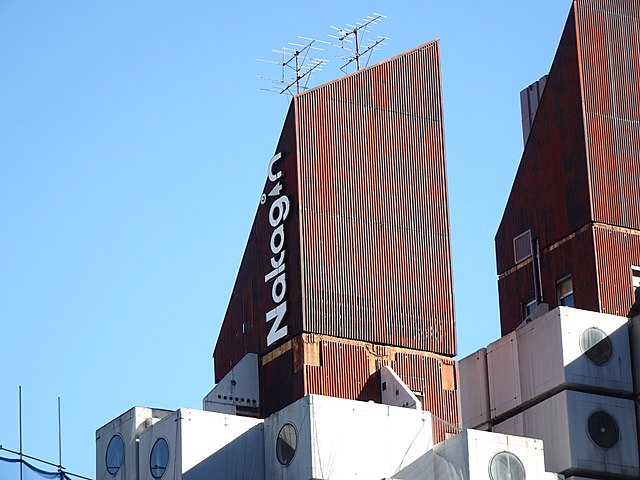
(440, 392)
(617, 251)
(609, 49)
(374, 226)
(550, 194)
(350, 369)
(573, 256)
(264, 308)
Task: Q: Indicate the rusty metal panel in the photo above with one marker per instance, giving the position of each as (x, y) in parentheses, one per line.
(435, 378)
(617, 250)
(350, 369)
(374, 226)
(346, 370)
(609, 41)
(323, 365)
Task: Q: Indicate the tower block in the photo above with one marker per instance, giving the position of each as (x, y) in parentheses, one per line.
(576, 195)
(348, 265)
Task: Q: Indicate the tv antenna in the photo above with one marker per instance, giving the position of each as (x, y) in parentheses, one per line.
(297, 65)
(351, 40)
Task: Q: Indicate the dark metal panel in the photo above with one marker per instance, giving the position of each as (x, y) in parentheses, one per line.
(573, 256)
(245, 327)
(550, 194)
(376, 262)
(280, 383)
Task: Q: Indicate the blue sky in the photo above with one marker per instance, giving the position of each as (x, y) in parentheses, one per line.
(134, 140)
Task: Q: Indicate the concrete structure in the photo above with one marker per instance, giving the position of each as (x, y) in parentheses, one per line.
(321, 305)
(565, 377)
(314, 438)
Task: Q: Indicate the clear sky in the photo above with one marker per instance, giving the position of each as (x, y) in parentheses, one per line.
(134, 140)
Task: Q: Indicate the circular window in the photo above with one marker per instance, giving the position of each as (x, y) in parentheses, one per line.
(159, 459)
(286, 444)
(115, 454)
(596, 346)
(603, 429)
(506, 466)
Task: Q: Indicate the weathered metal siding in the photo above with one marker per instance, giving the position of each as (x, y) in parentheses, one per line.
(350, 369)
(245, 328)
(436, 378)
(573, 256)
(550, 194)
(609, 40)
(376, 263)
(616, 251)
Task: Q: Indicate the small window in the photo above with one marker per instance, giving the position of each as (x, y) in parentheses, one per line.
(636, 277)
(530, 307)
(596, 346)
(286, 444)
(565, 291)
(115, 455)
(159, 458)
(506, 466)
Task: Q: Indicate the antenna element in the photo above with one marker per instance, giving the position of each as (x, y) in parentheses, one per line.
(351, 38)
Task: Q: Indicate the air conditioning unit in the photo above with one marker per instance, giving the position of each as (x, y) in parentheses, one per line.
(583, 433)
(504, 375)
(116, 445)
(474, 391)
(194, 444)
(568, 347)
(320, 437)
(478, 455)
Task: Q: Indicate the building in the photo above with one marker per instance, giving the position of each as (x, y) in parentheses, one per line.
(570, 232)
(348, 266)
(564, 377)
(335, 357)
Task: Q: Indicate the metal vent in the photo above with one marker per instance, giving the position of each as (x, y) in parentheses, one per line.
(603, 429)
(596, 346)
(522, 246)
(506, 466)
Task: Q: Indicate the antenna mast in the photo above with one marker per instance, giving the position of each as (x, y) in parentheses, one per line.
(20, 420)
(297, 65)
(353, 35)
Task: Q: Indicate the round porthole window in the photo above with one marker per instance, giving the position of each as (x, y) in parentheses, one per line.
(286, 444)
(596, 345)
(159, 458)
(603, 429)
(115, 454)
(506, 466)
